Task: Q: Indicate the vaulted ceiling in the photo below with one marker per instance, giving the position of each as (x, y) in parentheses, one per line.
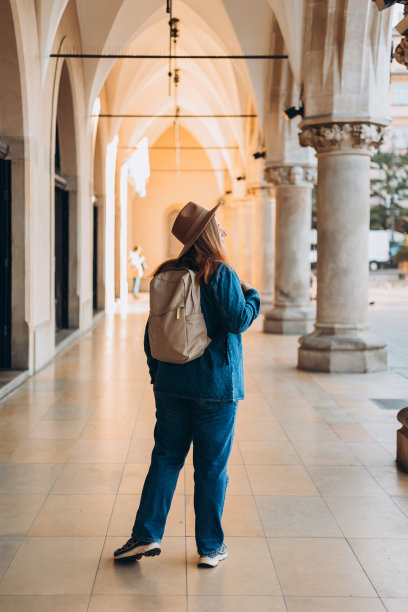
(206, 87)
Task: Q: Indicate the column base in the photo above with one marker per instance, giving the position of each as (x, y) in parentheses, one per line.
(266, 301)
(359, 353)
(402, 440)
(289, 320)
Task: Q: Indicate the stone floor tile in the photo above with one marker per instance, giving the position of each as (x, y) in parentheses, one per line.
(8, 548)
(334, 604)
(139, 603)
(237, 603)
(133, 478)
(107, 429)
(44, 603)
(385, 563)
(351, 432)
(359, 517)
(261, 452)
(318, 568)
(17, 512)
(161, 575)
(402, 502)
(320, 452)
(88, 478)
(395, 604)
(308, 431)
(345, 481)
(7, 447)
(140, 451)
(143, 429)
(382, 432)
(296, 517)
(53, 566)
(280, 480)
(371, 453)
(235, 575)
(259, 430)
(240, 517)
(69, 413)
(124, 513)
(57, 430)
(391, 478)
(99, 451)
(28, 478)
(74, 515)
(290, 414)
(42, 451)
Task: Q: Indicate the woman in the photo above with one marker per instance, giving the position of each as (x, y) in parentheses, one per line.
(197, 401)
(138, 265)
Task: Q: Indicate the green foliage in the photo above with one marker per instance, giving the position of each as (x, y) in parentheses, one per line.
(402, 253)
(391, 185)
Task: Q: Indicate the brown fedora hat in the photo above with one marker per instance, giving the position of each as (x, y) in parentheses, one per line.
(190, 222)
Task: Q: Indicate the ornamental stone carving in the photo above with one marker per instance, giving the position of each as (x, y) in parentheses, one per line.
(401, 52)
(300, 176)
(342, 136)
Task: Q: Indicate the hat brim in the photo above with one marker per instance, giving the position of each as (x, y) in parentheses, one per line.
(199, 230)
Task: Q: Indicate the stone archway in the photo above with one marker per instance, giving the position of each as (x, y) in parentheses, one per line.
(66, 212)
(15, 343)
(98, 276)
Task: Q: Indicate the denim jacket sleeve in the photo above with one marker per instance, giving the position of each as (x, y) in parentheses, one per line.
(151, 361)
(237, 310)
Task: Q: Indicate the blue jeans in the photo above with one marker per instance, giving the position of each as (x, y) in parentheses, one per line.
(210, 426)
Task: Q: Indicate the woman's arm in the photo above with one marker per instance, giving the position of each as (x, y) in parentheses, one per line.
(237, 310)
(151, 361)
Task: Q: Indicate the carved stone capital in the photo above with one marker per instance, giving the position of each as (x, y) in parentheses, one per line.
(401, 52)
(4, 150)
(261, 190)
(364, 137)
(299, 176)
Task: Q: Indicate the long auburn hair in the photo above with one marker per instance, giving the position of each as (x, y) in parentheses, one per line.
(203, 257)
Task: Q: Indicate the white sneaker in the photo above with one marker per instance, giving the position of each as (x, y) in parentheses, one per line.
(213, 559)
(137, 549)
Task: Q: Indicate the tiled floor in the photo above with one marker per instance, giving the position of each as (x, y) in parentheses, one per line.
(316, 516)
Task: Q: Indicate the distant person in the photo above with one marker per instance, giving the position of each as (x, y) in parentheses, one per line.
(196, 401)
(138, 266)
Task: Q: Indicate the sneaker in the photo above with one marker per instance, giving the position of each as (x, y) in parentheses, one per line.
(213, 559)
(137, 549)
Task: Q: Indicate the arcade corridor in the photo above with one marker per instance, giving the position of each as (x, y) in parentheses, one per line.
(316, 512)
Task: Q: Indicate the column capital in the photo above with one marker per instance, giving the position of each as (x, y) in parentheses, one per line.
(261, 189)
(353, 136)
(296, 175)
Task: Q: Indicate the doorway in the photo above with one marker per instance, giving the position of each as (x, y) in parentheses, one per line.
(5, 264)
(95, 260)
(61, 258)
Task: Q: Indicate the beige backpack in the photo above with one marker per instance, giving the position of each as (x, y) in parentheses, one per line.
(177, 329)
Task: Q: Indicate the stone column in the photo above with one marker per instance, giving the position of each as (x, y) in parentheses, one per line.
(230, 222)
(341, 341)
(244, 267)
(263, 240)
(291, 312)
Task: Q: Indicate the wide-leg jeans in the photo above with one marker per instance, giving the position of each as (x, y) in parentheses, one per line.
(180, 422)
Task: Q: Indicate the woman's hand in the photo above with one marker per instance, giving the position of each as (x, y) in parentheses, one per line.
(245, 286)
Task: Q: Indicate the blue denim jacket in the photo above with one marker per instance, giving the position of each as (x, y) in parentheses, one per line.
(217, 375)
